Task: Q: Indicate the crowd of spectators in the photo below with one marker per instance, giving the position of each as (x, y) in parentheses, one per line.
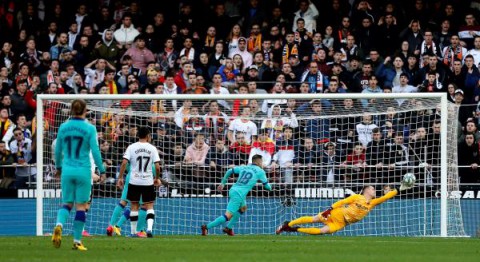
(250, 46)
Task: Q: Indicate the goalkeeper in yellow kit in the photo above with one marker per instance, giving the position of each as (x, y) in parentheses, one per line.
(342, 213)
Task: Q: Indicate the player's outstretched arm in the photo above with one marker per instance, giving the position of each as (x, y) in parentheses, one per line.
(389, 193)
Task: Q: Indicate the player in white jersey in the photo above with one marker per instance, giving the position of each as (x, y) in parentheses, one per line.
(141, 156)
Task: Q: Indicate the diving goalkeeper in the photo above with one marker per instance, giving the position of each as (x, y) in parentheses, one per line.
(342, 213)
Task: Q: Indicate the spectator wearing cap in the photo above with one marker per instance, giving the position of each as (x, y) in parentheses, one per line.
(127, 33)
(465, 111)
(140, 54)
(252, 74)
(243, 52)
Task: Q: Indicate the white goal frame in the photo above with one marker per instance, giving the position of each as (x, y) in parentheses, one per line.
(443, 136)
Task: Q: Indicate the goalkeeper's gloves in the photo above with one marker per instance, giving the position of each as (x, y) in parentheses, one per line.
(326, 214)
(404, 186)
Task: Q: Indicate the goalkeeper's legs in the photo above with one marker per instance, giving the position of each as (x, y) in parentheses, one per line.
(302, 220)
(314, 230)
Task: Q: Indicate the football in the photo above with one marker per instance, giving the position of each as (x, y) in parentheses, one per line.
(409, 179)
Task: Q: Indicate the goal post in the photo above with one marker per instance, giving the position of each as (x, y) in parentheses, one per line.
(300, 187)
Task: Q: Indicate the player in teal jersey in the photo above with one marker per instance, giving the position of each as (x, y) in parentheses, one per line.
(247, 179)
(75, 140)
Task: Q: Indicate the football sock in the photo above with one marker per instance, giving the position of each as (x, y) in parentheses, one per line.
(150, 218)
(62, 215)
(301, 220)
(310, 230)
(234, 219)
(86, 213)
(142, 219)
(218, 221)
(116, 213)
(123, 218)
(133, 222)
(78, 225)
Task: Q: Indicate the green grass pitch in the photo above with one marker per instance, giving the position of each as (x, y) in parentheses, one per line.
(244, 248)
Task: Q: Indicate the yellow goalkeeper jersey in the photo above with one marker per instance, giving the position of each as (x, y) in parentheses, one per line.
(355, 207)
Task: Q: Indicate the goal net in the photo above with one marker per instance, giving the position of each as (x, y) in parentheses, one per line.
(317, 149)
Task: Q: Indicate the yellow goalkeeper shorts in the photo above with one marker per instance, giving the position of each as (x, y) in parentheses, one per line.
(335, 222)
